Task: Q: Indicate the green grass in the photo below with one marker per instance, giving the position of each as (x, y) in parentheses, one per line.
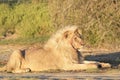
(26, 20)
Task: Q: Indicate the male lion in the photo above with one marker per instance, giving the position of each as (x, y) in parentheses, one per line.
(61, 52)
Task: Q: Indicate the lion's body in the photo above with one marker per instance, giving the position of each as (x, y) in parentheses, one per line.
(60, 52)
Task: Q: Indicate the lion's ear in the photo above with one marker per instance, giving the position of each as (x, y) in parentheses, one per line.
(78, 31)
(67, 34)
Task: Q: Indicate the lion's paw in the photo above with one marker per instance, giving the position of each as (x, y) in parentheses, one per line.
(104, 65)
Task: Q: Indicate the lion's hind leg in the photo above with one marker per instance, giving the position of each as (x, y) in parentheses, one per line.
(3, 68)
(15, 62)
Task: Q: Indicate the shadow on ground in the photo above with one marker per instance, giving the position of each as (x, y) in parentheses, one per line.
(112, 58)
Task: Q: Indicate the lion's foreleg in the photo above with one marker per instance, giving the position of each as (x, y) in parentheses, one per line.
(100, 64)
(81, 67)
(90, 62)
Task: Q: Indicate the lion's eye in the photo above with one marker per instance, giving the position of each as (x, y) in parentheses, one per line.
(76, 39)
(80, 36)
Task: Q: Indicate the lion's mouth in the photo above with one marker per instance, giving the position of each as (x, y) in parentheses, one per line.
(80, 49)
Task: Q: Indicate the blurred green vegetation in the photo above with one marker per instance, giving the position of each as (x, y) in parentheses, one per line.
(31, 19)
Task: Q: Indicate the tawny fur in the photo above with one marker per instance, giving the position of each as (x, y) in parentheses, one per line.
(60, 52)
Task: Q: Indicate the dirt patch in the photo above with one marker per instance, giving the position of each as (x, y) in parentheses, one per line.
(60, 76)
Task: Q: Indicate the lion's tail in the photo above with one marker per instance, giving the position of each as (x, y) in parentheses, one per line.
(3, 68)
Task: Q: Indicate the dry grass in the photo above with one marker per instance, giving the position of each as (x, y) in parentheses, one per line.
(100, 20)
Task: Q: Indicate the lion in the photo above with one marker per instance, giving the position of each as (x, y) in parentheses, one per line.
(61, 52)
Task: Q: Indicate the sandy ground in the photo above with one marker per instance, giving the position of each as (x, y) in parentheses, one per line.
(60, 76)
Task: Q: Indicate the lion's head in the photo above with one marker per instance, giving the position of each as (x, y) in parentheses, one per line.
(69, 37)
(74, 38)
